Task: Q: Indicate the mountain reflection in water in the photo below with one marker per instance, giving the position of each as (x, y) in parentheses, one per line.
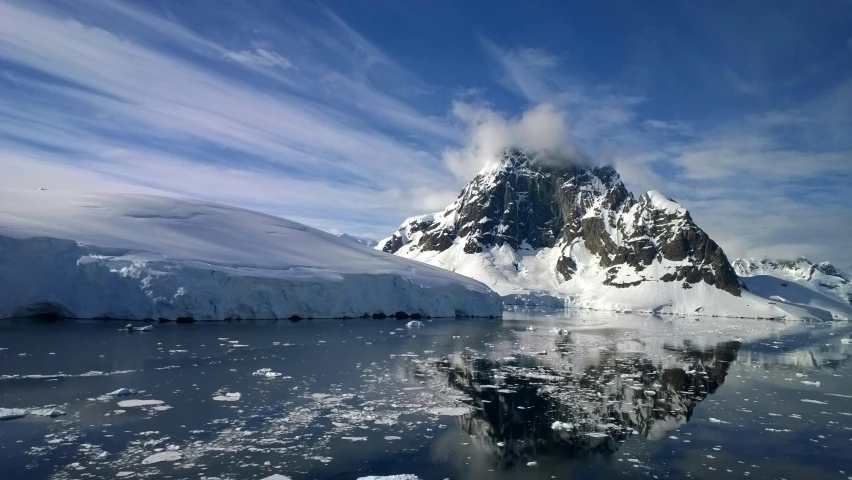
(524, 409)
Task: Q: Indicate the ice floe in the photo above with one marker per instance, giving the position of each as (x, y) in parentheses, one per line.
(167, 456)
(122, 392)
(228, 397)
(139, 403)
(267, 373)
(450, 411)
(12, 413)
(391, 477)
(47, 412)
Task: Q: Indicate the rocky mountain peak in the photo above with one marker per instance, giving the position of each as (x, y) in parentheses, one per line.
(531, 201)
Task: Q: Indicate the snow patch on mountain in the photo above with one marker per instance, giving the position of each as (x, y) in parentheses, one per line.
(90, 255)
(366, 241)
(800, 282)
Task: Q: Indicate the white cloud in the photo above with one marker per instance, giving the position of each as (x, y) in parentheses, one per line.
(525, 70)
(260, 57)
(178, 125)
(668, 126)
(489, 133)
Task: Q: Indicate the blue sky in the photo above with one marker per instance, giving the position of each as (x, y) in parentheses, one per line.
(351, 116)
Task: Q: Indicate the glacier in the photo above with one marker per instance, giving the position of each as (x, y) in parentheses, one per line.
(111, 255)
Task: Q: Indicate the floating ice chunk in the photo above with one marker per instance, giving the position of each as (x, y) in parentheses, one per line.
(355, 439)
(716, 420)
(808, 400)
(124, 474)
(266, 372)
(839, 395)
(392, 438)
(414, 324)
(131, 328)
(450, 411)
(228, 397)
(562, 426)
(51, 412)
(391, 477)
(167, 456)
(532, 464)
(12, 413)
(139, 403)
(559, 331)
(815, 384)
(846, 341)
(122, 392)
(530, 328)
(276, 477)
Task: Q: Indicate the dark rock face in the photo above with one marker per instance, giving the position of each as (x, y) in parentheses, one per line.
(828, 269)
(529, 206)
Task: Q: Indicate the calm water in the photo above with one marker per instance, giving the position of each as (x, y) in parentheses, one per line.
(635, 396)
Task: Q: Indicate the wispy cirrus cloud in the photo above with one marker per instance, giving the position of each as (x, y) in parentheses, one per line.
(260, 57)
(297, 112)
(174, 118)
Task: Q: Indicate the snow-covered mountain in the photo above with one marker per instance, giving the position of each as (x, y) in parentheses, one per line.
(799, 281)
(366, 241)
(139, 256)
(542, 233)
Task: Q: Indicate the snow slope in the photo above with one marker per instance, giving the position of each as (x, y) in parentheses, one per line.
(366, 241)
(90, 255)
(527, 277)
(799, 282)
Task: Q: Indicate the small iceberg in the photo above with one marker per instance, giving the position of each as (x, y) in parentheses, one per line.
(122, 392)
(266, 372)
(562, 426)
(12, 413)
(168, 456)
(391, 477)
(139, 403)
(450, 411)
(131, 328)
(228, 397)
(51, 412)
(414, 324)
